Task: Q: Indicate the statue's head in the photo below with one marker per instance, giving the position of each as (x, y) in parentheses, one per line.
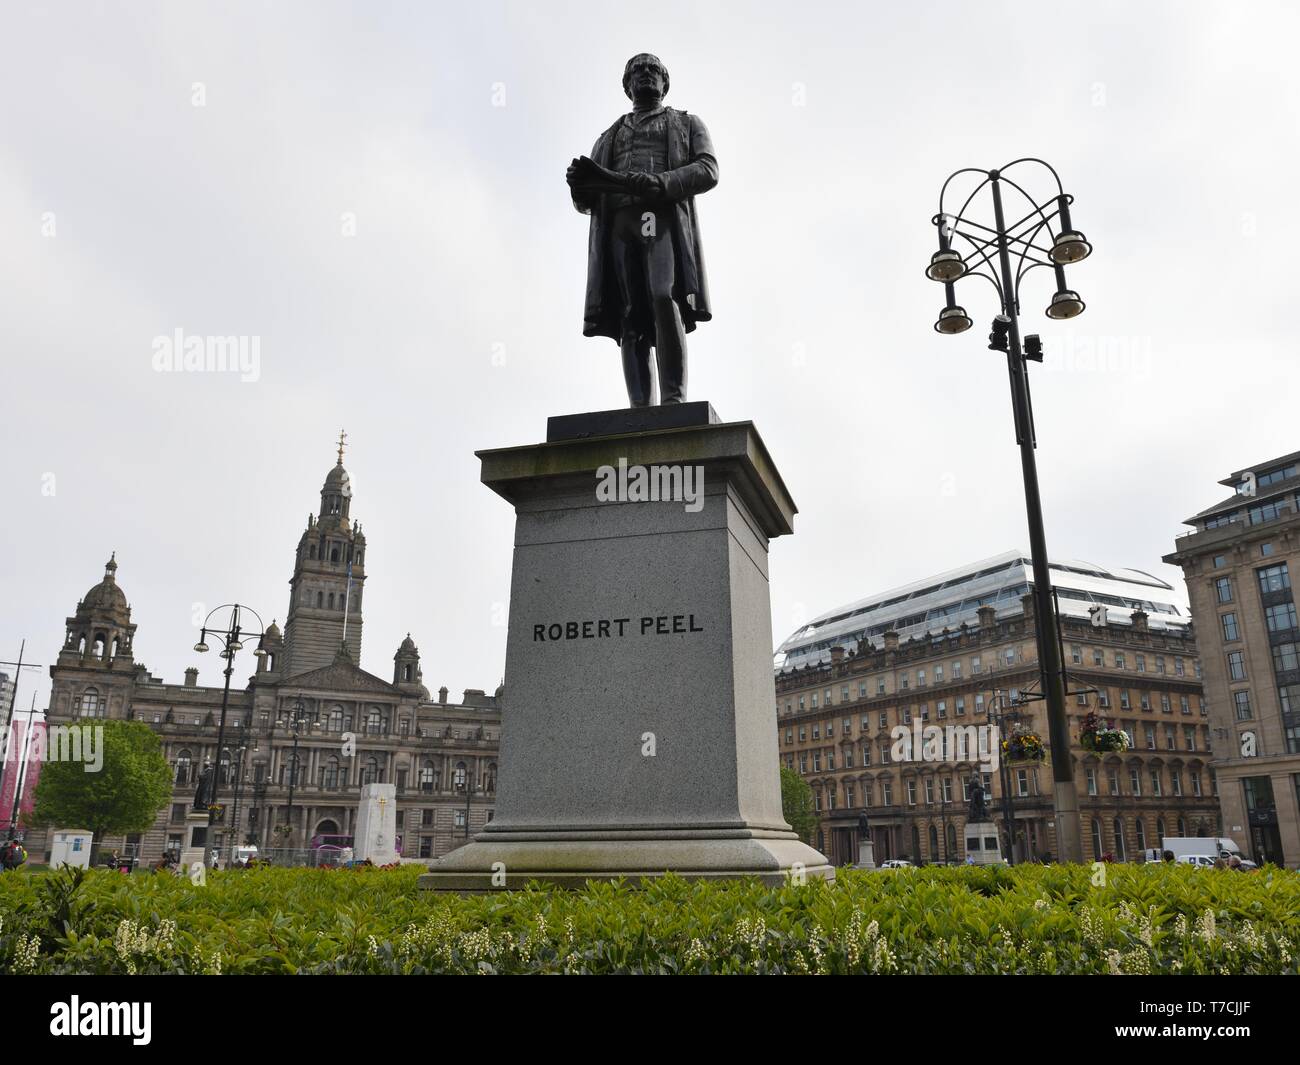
(645, 76)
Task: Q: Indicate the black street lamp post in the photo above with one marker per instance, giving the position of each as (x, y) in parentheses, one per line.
(1005, 715)
(463, 783)
(231, 635)
(296, 720)
(948, 265)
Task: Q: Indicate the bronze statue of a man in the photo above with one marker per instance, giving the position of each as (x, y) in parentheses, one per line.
(645, 266)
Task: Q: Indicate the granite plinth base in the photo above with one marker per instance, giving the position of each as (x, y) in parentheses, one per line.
(638, 731)
(503, 864)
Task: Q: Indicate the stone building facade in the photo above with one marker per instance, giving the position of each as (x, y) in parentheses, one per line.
(1239, 561)
(838, 713)
(355, 727)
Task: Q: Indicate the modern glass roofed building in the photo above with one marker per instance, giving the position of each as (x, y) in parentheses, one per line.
(947, 600)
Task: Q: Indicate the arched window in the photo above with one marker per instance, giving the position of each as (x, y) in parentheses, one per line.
(320, 598)
(1120, 854)
(1096, 840)
(952, 841)
(1141, 829)
(184, 767)
(224, 766)
(117, 640)
(370, 773)
(1160, 831)
(459, 777)
(331, 602)
(89, 703)
(357, 561)
(1182, 827)
(916, 844)
(101, 643)
(329, 774)
(406, 673)
(934, 843)
(428, 776)
(334, 551)
(313, 550)
(491, 783)
(289, 770)
(81, 644)
(335, 723)
(374, 723)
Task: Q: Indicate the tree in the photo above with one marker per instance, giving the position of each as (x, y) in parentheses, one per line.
(132, 783)
(797, 804)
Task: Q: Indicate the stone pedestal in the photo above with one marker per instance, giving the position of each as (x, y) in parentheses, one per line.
(376, 833)
(983, 843)
(866, 855)
(638, 729)
(198, 847)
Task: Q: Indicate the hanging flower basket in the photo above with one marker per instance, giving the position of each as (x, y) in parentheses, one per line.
(1101, 736)
(1023, 745)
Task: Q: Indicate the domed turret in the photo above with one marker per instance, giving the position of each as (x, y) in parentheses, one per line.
(406, 668)
(100, 631)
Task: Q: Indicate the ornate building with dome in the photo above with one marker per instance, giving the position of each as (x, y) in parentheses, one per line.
(284, 788)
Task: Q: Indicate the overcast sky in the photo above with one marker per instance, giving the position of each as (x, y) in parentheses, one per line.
(375, 191)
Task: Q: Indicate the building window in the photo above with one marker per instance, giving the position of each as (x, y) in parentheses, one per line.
(1103, 698)
(1220, 561)
(1119, 660)
(1151, 738)
(1273, 579)
(1286, 657)
(1112, 781)
(1155, 782)
(1184, 704)
(1223, 589)
(1096, 840)
(89, 704)
(1098, 657)
(1189, 737)
(1076, 654)
(911, 793)
(1145, 701)
(1236, 665)
(887, 792)
(1280, 618)
(1230, 627)
(1092, 781)
(1178, 667)
(1141, 663)
(426, 846)
(1165, 708)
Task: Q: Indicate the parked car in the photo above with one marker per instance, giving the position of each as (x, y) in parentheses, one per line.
(896, 863)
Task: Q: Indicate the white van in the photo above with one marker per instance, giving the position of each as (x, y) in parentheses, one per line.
(1211, 846)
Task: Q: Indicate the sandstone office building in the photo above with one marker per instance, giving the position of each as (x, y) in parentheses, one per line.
(946, 651)
(1239, 561)
(442, 756)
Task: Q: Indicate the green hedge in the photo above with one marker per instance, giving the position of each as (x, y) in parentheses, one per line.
(1031, 919)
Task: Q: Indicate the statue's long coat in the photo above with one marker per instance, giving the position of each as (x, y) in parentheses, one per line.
(692, 169)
